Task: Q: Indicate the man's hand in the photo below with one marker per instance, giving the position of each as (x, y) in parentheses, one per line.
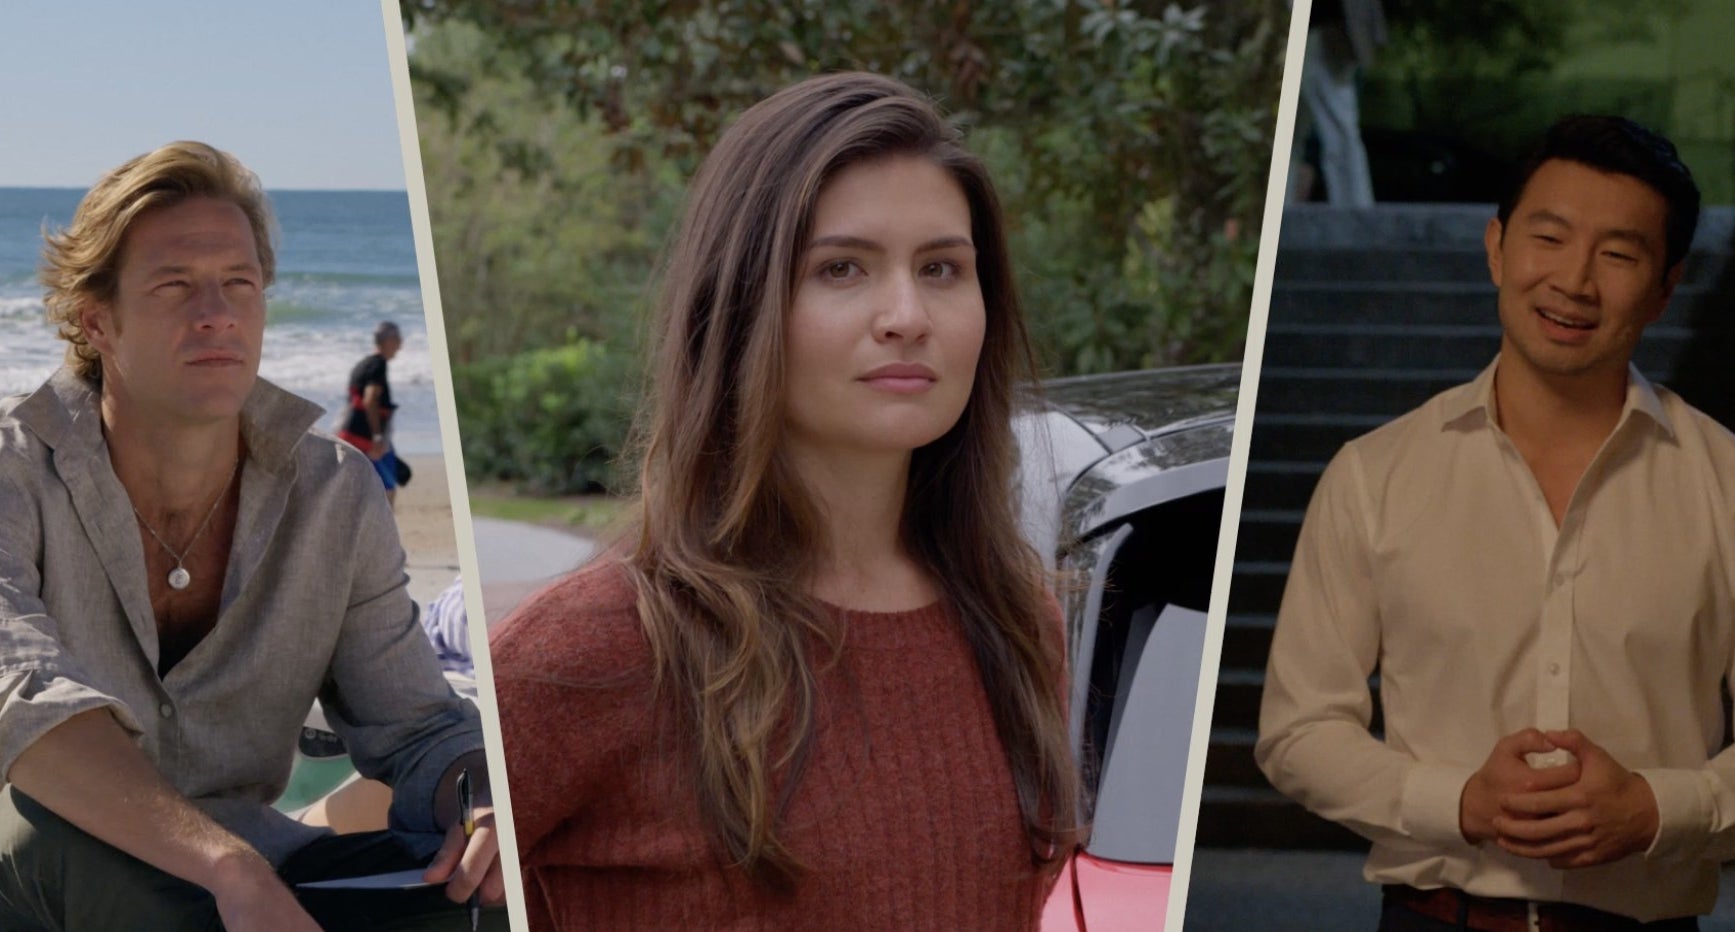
(466, 865)
(1607, 814)
(88, 770)
(1506, 775)
(251, 898)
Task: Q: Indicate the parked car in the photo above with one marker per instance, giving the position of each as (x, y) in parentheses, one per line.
(1122, 488)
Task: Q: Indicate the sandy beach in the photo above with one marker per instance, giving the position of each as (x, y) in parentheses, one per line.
(424, 512)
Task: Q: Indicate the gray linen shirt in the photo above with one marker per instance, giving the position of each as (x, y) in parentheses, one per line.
(314, 605)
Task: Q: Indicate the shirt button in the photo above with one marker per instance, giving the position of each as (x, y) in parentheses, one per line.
(167, 710)
(1553, 670)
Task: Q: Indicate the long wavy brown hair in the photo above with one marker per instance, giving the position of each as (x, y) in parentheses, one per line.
(726, 534)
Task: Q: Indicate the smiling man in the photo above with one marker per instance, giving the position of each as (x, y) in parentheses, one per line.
(184, 567)
(1541, 566)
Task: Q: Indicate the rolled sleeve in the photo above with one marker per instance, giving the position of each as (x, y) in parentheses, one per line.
(41, 685)
(385, 694)
(34, 702)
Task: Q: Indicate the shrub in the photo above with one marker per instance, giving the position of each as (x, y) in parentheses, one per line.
(553, 420)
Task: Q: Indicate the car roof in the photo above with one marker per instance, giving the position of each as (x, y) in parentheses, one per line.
(1122, 408)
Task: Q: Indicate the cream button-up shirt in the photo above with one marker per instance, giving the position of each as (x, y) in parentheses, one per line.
(1429, 553)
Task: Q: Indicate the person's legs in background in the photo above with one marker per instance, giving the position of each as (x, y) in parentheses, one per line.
(1328, 97)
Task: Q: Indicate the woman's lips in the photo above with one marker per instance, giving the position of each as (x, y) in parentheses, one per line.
(901, 378)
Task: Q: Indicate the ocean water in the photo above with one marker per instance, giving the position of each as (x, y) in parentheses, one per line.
(345, 261)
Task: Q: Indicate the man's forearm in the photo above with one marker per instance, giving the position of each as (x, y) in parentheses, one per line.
(88, 771)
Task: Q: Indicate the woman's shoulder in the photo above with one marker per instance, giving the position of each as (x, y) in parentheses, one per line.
(581, 627)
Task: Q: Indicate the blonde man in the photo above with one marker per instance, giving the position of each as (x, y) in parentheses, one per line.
(184, 567)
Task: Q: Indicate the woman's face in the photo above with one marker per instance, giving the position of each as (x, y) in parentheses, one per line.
(887, 319)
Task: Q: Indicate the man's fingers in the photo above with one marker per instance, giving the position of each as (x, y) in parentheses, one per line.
(481, 855)
(1574, 740)
(1566, 847)
(447, 857)
(494, 885)
(1540, 779)
(1542, 830)
(1520, 743)
(1544, 803)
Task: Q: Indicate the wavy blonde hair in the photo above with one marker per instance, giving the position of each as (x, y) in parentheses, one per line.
(725, 533)
(81, 263)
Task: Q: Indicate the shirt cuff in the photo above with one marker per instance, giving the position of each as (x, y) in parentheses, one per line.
(1429, 804)
(1686, 806)
(34, 702)
(413, 796)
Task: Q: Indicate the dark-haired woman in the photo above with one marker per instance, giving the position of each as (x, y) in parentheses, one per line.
(819, 684)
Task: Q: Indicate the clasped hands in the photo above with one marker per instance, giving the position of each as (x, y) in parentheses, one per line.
(1588, 811)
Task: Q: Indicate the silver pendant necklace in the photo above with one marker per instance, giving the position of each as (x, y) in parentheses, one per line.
(179, 578)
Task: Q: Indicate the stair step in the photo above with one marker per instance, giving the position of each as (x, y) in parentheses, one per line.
(1237, 699)
(1297, 264)
(1391, 392)
(1247, 818)
(1229, 760)
(1257, 585)
(1307, 264)
(1268, 534)
(1453, 227)
(1431, 346)
(1440, 227)
(1246, 641)
(1409, 303)
(1280, 484)
(1315, 437)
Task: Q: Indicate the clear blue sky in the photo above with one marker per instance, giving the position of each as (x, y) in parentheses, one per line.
(299, 91)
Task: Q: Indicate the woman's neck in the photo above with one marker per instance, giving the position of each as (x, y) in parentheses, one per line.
(863, 562)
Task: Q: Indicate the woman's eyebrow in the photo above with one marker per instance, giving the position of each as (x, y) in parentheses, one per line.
(847, 242)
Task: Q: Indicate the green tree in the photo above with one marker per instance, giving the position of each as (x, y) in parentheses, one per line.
(1138, 134)
(1483, 70)
(1130, 142)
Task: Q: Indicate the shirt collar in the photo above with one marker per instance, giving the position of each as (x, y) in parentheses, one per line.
(66, 414)
(1473, 403)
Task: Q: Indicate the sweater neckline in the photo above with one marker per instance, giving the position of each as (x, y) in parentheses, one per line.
(932, 609)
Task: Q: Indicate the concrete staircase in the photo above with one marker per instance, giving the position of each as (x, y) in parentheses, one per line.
(1372, 313)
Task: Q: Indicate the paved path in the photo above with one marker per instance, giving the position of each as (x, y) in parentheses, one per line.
(518, 559)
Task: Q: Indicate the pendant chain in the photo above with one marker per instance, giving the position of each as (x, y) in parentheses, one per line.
(179, 578)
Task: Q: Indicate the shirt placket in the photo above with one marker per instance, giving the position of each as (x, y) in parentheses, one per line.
(1555, 633)
(1552, 665)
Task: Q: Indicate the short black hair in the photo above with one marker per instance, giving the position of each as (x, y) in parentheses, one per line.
(1617, 144)
(386, 331)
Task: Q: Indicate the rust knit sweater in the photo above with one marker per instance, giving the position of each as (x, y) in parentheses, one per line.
(905, 819)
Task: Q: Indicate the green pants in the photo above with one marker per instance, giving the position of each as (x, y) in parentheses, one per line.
(55, 877)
